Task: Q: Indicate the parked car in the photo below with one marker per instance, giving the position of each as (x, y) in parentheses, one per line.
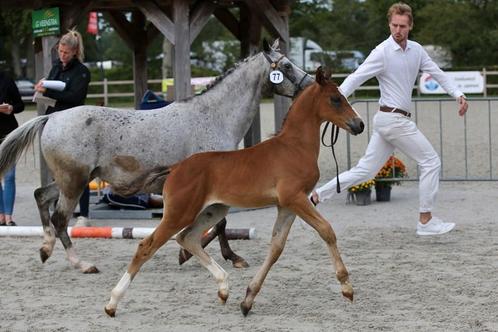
(26, 89)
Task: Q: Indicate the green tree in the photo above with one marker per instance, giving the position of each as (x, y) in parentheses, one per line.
(15, 32)
(468, 28)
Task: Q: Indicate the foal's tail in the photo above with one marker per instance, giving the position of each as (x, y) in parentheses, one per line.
(18, 141)
(152, 181)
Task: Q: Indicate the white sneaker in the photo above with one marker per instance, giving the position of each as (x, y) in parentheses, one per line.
(435, 226)
(82, 222)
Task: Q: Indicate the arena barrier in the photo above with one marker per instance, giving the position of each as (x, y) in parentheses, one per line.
(114, 232)
(467, 146)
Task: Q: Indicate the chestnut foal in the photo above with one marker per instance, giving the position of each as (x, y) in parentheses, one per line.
(280, 171)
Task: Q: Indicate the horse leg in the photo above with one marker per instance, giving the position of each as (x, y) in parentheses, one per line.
(45, 197)
(280, 232)
(145, 250)
(303, 208)
(60, 219)
(226, 251)
(184, 255)
(190, 238)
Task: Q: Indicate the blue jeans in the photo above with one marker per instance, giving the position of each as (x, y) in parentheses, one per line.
(8, 192)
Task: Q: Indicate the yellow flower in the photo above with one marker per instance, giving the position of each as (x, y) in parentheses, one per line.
(364, 186)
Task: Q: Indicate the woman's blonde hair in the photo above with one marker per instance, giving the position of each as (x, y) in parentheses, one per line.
(73, 39)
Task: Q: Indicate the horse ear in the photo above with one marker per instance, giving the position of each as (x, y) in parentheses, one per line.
(276, 44)
(266, 46)
(323, 75)
(328, 73)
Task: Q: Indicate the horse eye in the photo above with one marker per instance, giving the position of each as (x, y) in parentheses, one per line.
(287, 66)
(336, 101)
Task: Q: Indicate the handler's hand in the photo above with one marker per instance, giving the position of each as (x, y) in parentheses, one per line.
(39, 87)
(463, 106)
(6, 108)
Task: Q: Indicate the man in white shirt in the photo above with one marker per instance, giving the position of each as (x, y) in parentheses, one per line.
(396, 63)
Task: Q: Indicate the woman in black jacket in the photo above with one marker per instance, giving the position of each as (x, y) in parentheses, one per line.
(70, 70)
(10, 103)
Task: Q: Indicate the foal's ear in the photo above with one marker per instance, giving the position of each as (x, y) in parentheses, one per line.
(323, 75)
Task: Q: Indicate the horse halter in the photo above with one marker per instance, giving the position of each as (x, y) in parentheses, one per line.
(274, 66)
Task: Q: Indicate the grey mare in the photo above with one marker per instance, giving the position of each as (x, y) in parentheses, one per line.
(85, 142)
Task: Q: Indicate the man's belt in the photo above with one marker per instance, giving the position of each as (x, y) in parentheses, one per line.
(394, 110)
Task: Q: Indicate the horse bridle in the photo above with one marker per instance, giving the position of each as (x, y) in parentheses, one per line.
(274, 66)
(334, 134)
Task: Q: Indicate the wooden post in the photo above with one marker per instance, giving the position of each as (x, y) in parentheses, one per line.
(250, 35)
(137, 38)
(139, 73)
(282, 103)
(45, 54)
(181, 51)
(106, 92)
(139, 56)
(276, 21)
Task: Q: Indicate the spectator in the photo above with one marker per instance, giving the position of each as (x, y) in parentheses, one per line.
(69, 69)
(10, 103)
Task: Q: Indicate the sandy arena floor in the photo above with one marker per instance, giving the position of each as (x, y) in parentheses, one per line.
(402, 282)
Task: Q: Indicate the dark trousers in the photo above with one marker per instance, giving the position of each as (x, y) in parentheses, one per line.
(85, 202)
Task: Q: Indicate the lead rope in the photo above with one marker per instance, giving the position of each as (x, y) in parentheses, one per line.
(333, 139)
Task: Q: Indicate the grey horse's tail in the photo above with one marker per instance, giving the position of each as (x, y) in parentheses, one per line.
(18, 141)
(152, 181)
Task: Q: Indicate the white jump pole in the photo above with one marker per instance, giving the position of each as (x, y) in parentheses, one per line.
(113, 232)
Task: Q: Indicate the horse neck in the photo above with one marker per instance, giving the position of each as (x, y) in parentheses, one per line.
(237, 97)
(302, 125)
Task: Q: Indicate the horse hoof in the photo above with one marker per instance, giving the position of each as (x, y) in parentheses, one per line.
(43, 255)
(110, 312)
(347, 292)
(223, 296)
(240, 263)
(245, 309)
(183, 256)
(349, 296)
(91, 269)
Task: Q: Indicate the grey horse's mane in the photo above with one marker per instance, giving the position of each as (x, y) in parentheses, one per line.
(220, 78)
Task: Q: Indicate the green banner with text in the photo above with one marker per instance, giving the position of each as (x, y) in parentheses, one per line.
(46, 22)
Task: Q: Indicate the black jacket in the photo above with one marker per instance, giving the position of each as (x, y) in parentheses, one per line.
(9, 94)
(77, 77)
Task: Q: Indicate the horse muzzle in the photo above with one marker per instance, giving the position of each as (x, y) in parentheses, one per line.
(356, 126)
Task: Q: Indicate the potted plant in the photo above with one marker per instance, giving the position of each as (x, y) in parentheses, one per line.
(389, 175)
(360, 194)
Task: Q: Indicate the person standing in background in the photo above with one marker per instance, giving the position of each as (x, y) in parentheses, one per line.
(10, 104)
(69, 68)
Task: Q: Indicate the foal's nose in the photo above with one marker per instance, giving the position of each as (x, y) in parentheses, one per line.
(356, 126)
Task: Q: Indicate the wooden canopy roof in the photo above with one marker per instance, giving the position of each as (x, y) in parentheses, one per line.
(180, 21)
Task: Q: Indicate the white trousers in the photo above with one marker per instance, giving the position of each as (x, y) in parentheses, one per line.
(390, 131)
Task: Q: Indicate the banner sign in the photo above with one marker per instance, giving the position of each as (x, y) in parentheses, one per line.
(45, 22)
(465, 81)
(92, 27)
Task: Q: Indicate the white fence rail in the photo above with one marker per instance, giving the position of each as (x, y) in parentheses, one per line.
(467, 146)
(105, 95)
(106, 86)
